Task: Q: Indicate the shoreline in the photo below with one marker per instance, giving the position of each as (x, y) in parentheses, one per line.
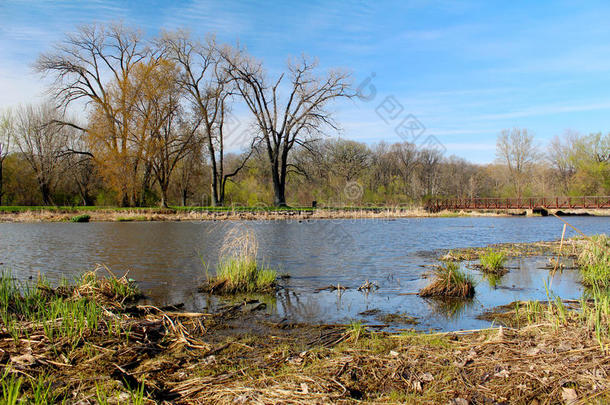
(66, 214)
(237, 355)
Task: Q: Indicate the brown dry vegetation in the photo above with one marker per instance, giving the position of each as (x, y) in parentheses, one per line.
(155, 214)
(193, 358)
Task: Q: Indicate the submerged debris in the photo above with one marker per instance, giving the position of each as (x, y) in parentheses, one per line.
(368, 286)
(331, 287)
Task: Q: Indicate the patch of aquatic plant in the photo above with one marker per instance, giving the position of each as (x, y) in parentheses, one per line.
(238, 270)
(120, 289)
(594, 261)
(66, 313)
(136, 218)
(449, 281)
(242, 275)
(492, 261)
(398, 318)
(81, 218)
(356, 330)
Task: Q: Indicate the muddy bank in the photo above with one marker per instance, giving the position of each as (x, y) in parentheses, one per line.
(144, 354)
(157, 214)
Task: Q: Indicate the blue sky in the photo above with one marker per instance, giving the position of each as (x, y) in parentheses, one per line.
(466, 70)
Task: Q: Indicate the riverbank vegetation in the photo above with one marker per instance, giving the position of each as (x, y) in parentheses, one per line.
(238, 270)
(449, 281)
(90, 342)
(493, 262)
(594, 261)
(174, 103)
(116, 354)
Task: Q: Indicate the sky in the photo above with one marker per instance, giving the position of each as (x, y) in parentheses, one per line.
(454, 74)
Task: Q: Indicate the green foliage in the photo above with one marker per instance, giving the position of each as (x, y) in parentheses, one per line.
(244, 275)
(238, 270)
(594, 261)
(11, 388)
(493, 261)
(81, 218)
(449, 281)
(137, 218)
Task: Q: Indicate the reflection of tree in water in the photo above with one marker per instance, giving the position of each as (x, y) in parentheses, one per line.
(294, 308)
(450, 308)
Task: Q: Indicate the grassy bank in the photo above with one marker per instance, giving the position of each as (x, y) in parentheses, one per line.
(123, 214)
(84, 344)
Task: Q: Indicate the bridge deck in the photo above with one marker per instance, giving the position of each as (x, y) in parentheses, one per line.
(590, 202)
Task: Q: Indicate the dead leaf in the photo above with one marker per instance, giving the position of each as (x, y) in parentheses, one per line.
(426, 377)
(24, 360)
(569, 396)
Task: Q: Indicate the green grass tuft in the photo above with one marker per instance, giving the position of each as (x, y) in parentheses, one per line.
(492, 261)
(594, 262)
(81, 218)
(449, 281)
(243, 275)
(238, 270)
(137, 218)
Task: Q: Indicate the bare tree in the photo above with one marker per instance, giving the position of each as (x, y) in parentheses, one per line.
(516, 149)
(428, 161)
(41, 141)
(203, 77)
(6, 135)
(96, 65)
(293, 120)
(405, 160)
(559, 156)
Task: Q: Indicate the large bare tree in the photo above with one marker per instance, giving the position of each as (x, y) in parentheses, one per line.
(515, 148)
(204, 79)
(283, 122)
(96, 65)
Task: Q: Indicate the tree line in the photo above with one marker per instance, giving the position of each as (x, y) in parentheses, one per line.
(154, 128)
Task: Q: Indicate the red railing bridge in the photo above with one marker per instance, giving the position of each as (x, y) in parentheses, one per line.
(580, 202)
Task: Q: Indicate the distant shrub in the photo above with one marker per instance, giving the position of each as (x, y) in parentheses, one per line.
(81, 218)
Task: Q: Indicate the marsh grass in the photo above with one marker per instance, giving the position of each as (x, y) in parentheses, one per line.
(136, 218)
(493, 261)
(81, 218)
(449, 281)
(594, 261)
(11, 387)
(238, 270)
(66, 314)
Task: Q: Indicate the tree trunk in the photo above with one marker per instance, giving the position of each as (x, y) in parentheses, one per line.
(46, 193)
(1, 181)
(163, 188)
(184, 196)
(279, 190)
(214, 189)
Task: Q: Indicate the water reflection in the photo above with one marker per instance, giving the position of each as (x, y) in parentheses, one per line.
(163, 257)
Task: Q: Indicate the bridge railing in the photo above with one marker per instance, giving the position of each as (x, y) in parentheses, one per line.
(564, 202)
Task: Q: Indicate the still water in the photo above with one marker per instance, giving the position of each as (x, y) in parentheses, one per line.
(166, 260)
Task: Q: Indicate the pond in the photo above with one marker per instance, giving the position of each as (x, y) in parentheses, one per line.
(166, 260)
